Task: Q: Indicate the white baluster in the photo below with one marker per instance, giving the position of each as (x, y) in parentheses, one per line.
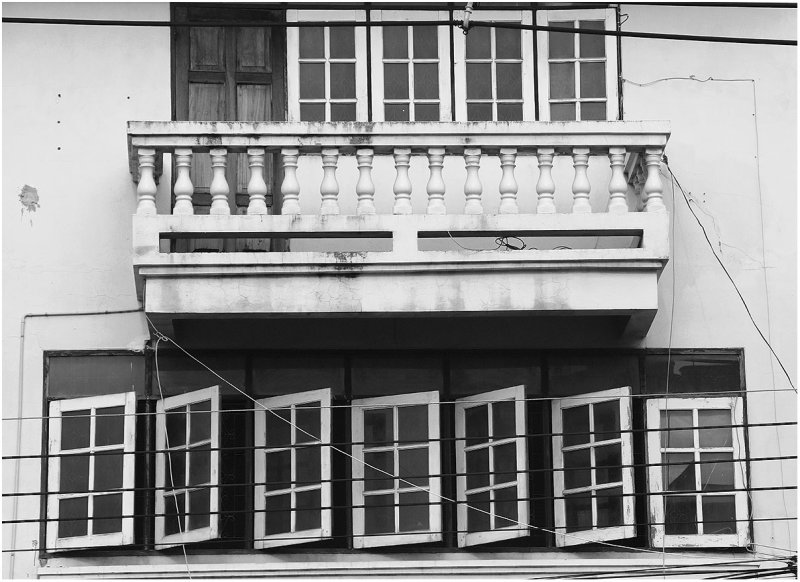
(256, 186)
(402, 184)
(473, 187)
(508, 182)
(365, 188)
(183, 183)
(580, 185)
(329, 189)
(219, 185)
(146, 189)
(435, 187)
(545, 187)
(618, 186)
(653, 187)
(290, 188)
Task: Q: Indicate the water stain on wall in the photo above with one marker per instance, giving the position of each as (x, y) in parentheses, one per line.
(29, 198)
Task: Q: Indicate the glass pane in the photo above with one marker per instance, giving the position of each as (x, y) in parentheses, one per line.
(576, 469)
(312, 111)
(562, 44)
(307, 421)
(509, 112)
(562, 112)
(278, 517)
(426, 81)
(343, 111)
(507, 43)
(479, 80)
(75, 429)
(715, 437)
(593, 111)
(343, 43)
(312, 42)
(279, 470)
(426, 112)
(680, 514)
(414, 511)
(505, 463)
(476, 424)
(576, 425)
(308, 464)
(378, 426)
(107, 512)
(716, 476)
(74, 512)
(592, 45)
(109, 426)
(174, 519)
(396, 112)
(479, 112)
(505, 507)
(412, 423)
(593, 79)
(379, 514)
(312, 80)
(609, 507)
(395, 81)
(509, 81)
(478, 41)
(562, 80)
(719, 514)
(200, 421)
(477, 468)
(199, 508)
(176, 426)
(375, 479)
(200, 465)
(426, 42)
(278, 427)
(679, 472)
(343, 80)
(676, 429)
(74, 474)
(395, 42)
(308, 514)
(504, 419)
(478, 510)
(176, 469)
(578, 510)
(107, 471)
(608, 460)
(606, 420)
(413, 467)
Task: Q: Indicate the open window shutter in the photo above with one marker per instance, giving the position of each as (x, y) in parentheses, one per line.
(91, 471)
(592, 462)
(491, 462)
(187, 468)
(293, 469)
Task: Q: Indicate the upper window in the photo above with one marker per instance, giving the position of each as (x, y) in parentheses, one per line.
(577, 72)
(697, 478)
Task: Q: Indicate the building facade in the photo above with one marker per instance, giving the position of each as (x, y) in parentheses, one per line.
(411, 289)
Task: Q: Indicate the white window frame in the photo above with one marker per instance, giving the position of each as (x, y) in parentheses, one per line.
(596, 534)
(360, 540)
(128, 447)
(655, 472)
(517, 395)
(544, 18)
(293, 59)
(459, 57)
(443, 60)
(291, 401)
(212, 530)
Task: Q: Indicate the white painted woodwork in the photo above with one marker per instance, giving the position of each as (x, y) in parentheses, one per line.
(329, 189)
(508, 182)
(436, 187)
(146, 189)
(581, 187)
(290, 188)
(653, 186)
(472, 186)
(219, 184)
(183, 183)
(402, 183)
(365, 188)
(256, 186)
(545, 186)
(618, 185)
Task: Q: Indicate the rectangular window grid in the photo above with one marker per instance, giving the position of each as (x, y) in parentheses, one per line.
(494, 74)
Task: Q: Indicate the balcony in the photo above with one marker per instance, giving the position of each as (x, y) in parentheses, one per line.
(409, 243)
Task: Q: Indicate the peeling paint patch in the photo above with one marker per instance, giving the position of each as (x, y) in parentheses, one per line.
(29, 198)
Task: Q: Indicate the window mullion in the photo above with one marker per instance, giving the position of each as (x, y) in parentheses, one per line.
(90, 496)
(326, 35)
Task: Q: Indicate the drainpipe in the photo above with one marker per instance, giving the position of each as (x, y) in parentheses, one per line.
(22, 322)
(467, 15)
